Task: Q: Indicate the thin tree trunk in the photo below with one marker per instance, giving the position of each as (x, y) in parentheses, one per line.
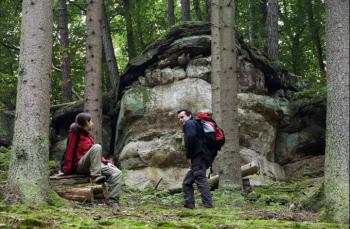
(171, 15)
(224, 92)
(208, 7)
(251, 22)
(28, 174)
(197, 9)
(93, 67)
(337, 124)
(185, 11)
(64, 40)
(315, 33)
(272, 29)
(109, 52)
(129, 30)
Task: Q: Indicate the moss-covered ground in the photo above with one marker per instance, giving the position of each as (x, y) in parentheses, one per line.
(267, 207)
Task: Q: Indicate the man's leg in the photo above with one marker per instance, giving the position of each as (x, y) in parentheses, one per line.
(91, 161)
(114, 179)
(201, 180)
(187, 188)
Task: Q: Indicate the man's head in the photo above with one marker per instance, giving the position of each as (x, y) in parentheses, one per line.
(183, 115)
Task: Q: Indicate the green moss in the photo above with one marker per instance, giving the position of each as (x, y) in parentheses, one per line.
(54, 199)
(53, 167)
(5, 157)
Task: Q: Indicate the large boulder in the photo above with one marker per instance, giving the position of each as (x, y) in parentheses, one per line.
(302, 132)
(149, 135)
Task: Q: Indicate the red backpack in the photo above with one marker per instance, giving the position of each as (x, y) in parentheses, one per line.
(214, 135)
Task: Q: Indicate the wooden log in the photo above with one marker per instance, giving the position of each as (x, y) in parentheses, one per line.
(76, 187)
(213, 182)
(249, 169)
(57, 180)
(81, 193)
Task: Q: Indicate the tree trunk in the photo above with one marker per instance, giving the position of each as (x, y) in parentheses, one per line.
(197, 9)
(337, 137)
(252, 28)
(224, 92)
(272, 29)
(315, 33)
(28, 174)
(129, 30)
(63, 28)
(185, 10)
(93, 67)
(109, 52)
(171, 15)
(208, 7)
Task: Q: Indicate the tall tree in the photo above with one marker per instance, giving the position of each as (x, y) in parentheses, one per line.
(272, 29)
(109, 52)
(185, 10)
(129, 30)
(337, 137)
(224, 92)
(197, 10)
(208, 7)
(64, 40)
(171, 15)
(251, 9)
(28, 173)
(93, 67)
(315, 33)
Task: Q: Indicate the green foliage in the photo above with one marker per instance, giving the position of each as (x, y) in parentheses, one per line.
(5, 157)
(152, 214)
(277, 194)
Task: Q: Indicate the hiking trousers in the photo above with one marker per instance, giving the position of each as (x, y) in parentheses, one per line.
(91, 164)
(197, 175)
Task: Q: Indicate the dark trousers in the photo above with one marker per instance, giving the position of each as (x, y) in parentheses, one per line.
(197, 174)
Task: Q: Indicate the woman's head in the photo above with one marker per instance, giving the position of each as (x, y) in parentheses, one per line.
(83, 120)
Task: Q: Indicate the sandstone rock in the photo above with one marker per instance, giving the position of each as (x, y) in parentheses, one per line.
(310, 166)
(169, 178)
(265, 168)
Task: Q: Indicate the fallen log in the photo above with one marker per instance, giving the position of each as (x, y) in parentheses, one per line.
(249, 169)
(77, 188)
(213, 182)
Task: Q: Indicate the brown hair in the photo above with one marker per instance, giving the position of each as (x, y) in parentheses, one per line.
(80, 121)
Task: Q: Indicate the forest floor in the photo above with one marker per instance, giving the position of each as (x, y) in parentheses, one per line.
(264, 207)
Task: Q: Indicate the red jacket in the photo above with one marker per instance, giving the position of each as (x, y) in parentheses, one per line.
(85, 143)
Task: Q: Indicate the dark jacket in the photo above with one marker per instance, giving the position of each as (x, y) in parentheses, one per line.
(76, 149)
(194, 139)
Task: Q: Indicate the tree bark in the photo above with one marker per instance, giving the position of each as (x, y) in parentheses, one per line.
(337, 124)
(185, 11)
(197, 10)
(93, 67)
(64, 40)
(272, 29)
(208, 7)
(171, 15)
(129, 30)
(28, 174)
(224, 92)
(109, 52)
(315, 33)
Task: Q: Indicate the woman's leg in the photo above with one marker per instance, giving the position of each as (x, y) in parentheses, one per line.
(114, 179)
(90, 163)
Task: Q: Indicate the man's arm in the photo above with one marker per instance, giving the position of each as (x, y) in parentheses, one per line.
(190, 137)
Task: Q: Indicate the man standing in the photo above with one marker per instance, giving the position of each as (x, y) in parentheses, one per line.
(195, 149)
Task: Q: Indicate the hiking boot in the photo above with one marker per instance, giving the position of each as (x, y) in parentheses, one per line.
(189, 206)
(99, 179)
